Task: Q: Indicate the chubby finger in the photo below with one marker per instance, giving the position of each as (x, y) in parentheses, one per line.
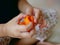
(23, 35)
(36, 13)
(35, 20)
(29, 26)
(32, 32)
(21, 28)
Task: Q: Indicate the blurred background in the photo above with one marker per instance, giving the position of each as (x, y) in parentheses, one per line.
(55, 4)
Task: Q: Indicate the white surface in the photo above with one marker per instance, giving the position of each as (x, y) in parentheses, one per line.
(50, 4)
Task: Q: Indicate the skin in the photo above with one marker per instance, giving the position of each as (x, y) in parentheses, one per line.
(12, 29)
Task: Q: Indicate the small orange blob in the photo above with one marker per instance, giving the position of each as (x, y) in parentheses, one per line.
(28, 19)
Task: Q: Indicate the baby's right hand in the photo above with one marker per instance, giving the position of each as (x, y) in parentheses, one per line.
(14, 30)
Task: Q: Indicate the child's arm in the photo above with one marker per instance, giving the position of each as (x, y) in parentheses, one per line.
(24, 6)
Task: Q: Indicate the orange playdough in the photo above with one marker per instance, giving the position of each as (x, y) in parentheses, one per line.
(27, 20)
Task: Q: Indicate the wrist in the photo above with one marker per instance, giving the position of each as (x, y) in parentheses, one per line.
(4, 30)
